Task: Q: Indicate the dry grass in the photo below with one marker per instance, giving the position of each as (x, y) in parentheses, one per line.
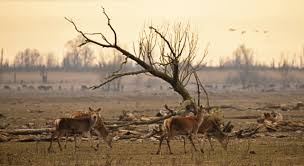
(21, 108)
(266, 151)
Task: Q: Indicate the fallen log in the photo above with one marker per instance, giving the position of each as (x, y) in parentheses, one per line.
(243, 117)
(32, 139)
(248, 132)
(113, 127)
(28, 131)
(45, 139)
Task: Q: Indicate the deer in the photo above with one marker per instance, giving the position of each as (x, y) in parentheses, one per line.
(64, 126)
(211, 125)
(99, 128)
(181, 125)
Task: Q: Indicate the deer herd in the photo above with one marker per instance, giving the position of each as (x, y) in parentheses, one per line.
(81, 123)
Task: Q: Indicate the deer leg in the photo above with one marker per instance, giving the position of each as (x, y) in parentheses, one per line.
(168, 144)
(184, 144)
(66, 141)
(99, 139)
(52, 138)
(210, 142)
(191, 140)
(75, 142)
(160, 143)
(79, 141)
(223, 141)
(199, 143)
(58, 140)
(91, 141)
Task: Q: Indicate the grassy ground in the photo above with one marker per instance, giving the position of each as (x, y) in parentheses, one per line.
(38, 108)
(262, 151)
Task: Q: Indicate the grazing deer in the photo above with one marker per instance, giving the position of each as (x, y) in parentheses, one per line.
(66, 126)
(179, 125)
(211, 125)
(99, 128)
(85, 114)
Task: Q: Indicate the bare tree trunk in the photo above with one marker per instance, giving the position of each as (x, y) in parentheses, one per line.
(174, 64)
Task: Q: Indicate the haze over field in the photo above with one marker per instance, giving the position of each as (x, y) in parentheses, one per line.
(40, 23)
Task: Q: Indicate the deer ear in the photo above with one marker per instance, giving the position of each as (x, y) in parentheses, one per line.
(90, 109)
(99, 109)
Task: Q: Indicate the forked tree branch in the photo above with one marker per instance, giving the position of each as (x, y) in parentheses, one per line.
(198, 90)
(109, 24)
(199, 84)
(116, 76)
(164, 38)
(87, 40)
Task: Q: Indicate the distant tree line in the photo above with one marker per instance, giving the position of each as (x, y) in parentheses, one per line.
(244, 57)
(84, 58)
(75, 58)
(243, 60)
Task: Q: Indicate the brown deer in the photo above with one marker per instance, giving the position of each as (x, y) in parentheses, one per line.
(179, 125)
(72, 126)
(99, 128)
(85, 114)
(211, 125)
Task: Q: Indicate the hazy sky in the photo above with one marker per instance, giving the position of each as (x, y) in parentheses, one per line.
(40, 23)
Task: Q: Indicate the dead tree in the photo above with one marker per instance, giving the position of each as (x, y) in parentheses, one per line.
(108, 67)
(284, 69)
(44, 74)
(244, 62)
(169, 53)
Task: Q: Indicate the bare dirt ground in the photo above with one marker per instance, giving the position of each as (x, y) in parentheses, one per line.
(20, 108)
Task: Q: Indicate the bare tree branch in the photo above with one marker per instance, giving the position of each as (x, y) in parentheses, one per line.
(109, 24)
(121, 65)
(115, 76)
(203, 58)
(102, 36)
(87, 40)
(170, 110)
(163, 37)
(199, 83)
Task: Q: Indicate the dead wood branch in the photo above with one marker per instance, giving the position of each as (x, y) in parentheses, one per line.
(228, 127)
(243, 117)
(199, 84)
(170, 110)
(28, 131)
(142, 122)
(116, 76)
(247, 132)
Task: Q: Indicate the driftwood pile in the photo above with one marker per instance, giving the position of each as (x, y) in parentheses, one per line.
(134, 126)
(274, 122)
(271, 122)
